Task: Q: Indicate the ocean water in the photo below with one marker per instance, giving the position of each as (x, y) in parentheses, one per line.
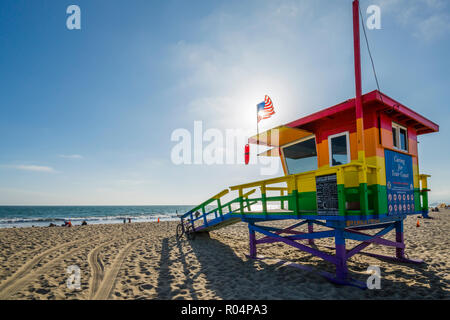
(27, 216)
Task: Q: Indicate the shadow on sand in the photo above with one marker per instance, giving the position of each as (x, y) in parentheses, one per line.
(230, 276)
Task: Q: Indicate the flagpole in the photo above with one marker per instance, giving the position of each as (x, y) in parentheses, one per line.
(257, 126)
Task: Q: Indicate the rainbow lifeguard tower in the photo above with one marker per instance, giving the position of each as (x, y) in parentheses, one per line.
(350, 168)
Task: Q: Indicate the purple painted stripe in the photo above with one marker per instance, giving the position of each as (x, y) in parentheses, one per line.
(357, 249)
(383, 242)
(303, 236)
(310, 230)
(370, 227)
(341, 265)
(287, 230)
(399, 252)
(394, 259)
(272, 240)
(299, 246)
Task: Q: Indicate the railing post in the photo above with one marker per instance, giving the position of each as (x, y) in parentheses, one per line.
(241, 200)
(363, 193)
(341, 191)
(424, 193)
(282, 201)
(380, 205)
(247, 203)
(263, 197)
(219, 206)
(204, 216)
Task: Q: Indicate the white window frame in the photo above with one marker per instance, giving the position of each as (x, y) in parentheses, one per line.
(397, 126)
(313, 136)
(330, 155)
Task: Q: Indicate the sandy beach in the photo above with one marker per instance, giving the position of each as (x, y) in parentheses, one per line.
(145, 261)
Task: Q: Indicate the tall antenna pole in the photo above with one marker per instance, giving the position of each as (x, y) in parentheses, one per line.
(358, 85)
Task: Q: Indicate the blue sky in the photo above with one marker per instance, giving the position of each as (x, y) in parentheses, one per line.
(86, 116)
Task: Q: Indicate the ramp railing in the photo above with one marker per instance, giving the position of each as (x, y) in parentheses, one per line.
(209, 216)
(352, 180)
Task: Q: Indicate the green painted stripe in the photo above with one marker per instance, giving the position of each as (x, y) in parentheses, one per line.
(375, 197)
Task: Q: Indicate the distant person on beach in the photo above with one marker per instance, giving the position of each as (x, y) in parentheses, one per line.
(67, 224)
(84, 223)
(52, 225)
(129, 220)
(197, 214)
(124, 220)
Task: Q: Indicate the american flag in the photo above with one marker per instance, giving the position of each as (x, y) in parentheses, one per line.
(265, 109)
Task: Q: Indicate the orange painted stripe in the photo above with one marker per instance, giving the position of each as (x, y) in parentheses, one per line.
(322, 153)
(372, 145)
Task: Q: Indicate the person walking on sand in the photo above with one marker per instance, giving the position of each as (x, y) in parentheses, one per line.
(129, 220)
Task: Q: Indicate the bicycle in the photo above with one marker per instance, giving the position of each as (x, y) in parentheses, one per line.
(185, 228)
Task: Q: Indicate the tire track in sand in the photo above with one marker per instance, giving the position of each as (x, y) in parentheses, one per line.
(28, 266)
(97, 269)
(11, 288)
(109, 280)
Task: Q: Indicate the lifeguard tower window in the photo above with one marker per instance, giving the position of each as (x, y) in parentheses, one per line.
(399, 137)
(339, 149)
(301, 156)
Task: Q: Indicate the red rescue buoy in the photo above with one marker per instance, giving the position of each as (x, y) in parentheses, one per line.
(247, 153)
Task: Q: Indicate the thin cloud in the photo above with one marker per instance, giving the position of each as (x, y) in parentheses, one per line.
(71, 156)
(426, 19)
(236, 63)
(433, 27)
(34, 168)
(130, 182)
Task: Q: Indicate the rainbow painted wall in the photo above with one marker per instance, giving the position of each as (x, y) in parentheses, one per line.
(361, 186)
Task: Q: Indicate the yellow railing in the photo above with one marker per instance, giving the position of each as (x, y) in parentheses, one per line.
(353, 175)
(293, 179)
(294, 183)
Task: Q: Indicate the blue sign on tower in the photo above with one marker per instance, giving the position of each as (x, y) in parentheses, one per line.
(399, 183)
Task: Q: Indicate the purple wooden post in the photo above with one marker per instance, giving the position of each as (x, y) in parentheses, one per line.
(400, 252)
(252, 238)
(341, 255)
(310, 230)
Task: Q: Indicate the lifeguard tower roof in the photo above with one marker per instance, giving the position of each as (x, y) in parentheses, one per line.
(373, 102)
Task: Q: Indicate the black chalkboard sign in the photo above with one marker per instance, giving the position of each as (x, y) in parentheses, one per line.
(327, 195)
